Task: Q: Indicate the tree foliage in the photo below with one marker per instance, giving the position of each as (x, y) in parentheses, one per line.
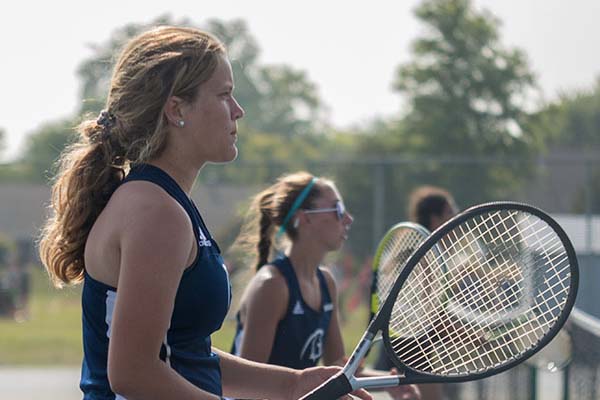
(43, 148)
(284, 114)
(465, 95)
(277, 99)
(2, 141)
(572, 124)
(465, 90)
(95, 72)
(572, 121)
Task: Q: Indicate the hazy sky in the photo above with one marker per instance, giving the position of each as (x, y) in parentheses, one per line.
(350, 49)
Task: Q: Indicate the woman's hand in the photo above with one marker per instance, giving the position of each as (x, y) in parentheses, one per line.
(311, 378)
(403, 392)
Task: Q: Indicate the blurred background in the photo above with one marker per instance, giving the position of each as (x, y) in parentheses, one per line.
(490, 100)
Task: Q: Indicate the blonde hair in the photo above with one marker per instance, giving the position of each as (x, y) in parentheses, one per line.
(162, 62)
(269, 209)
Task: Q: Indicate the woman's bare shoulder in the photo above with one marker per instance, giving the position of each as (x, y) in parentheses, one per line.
(143, 209)
(267, 290)
(269, 279)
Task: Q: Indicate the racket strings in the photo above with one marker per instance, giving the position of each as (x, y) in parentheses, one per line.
(396, 252)
(422, 274)
(521, 336)
(495, 299)
(411, 308)
(497, 276)
(502, 261)
(544, 320)
(509, 296)
(448, 349)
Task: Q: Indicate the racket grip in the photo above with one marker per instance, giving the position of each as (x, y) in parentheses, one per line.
(330, 390)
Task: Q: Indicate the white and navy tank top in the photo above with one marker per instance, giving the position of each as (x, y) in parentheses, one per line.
(201, 304)
(301, 334)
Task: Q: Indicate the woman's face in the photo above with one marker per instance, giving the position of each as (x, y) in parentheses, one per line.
(326, 226)
(211, 120)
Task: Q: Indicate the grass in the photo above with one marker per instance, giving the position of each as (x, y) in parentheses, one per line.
(51, 335)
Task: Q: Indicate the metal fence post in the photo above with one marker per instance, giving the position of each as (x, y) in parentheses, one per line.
(588, 204)
(378, 201)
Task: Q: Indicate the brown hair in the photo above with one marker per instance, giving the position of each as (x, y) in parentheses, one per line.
(269, 209)
(426, 201)
(162, 62)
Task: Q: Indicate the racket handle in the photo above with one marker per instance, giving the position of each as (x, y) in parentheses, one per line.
(330, 390)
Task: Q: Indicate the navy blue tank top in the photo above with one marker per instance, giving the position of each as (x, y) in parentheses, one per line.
(201, 304)
(300, 335)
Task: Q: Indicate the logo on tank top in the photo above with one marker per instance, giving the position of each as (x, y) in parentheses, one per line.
(203, 242)
(313, 348)
(298, 310)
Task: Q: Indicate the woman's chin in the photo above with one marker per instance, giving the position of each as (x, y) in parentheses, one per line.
(234, 153)
(227, 158)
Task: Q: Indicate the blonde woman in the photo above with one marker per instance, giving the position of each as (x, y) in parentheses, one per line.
(154, 284)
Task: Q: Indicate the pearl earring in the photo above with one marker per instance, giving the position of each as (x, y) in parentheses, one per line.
(181, 123)
(296, 223)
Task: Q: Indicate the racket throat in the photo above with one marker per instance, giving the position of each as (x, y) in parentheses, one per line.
(358, 355)
(376, 382)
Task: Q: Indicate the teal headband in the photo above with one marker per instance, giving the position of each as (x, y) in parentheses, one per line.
(295, 206)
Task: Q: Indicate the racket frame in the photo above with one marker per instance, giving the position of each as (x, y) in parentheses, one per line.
(374, 300)
(380, 321)
(346, 381)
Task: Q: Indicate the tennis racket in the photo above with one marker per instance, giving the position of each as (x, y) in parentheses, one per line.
(391, 255)
(484, 292)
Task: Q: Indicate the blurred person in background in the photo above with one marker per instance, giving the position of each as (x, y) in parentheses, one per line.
(288, 314)
(431, 207)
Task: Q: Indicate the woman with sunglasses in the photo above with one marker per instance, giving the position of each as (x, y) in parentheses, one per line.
(288, 312)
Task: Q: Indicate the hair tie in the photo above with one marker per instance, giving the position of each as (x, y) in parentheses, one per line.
(295, 207)
(106, 120)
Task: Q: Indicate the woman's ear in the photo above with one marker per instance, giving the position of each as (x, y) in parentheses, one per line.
(174, 111)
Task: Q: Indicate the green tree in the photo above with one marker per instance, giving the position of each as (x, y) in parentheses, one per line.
(277, 99)
(264, 156)
(6, 170)
(465, 91)
(43, 148)
(573, 120)
(279, 102)
(95, 72)
(572, 123)
(2, 141)
(465, 95)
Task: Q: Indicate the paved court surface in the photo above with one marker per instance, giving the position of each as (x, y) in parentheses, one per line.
(63, 384)
(49, 384)
(39, 383)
